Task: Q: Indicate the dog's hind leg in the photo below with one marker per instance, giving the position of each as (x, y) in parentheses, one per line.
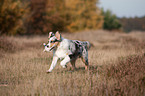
(65, 61)
(73, 64)
(85, 60)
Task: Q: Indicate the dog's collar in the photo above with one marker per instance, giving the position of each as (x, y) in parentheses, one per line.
(58, 40)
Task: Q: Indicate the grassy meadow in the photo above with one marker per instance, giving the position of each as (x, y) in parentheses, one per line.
(117, 66)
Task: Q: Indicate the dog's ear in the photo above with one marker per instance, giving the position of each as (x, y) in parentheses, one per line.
(58, 35)
(51, 34)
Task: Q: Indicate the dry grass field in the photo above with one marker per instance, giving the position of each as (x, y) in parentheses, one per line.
(117, 66)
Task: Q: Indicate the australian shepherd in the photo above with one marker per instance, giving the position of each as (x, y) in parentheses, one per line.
(66, 50)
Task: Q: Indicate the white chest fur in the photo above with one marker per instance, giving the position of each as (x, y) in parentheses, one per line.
(63, 49)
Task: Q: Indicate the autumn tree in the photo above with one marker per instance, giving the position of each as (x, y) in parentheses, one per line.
(83, 15)
(45, 16)
(55, 15)
(34, 21)
(42, 16)
(11, 14)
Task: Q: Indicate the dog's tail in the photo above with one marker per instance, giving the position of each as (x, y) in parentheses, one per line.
(87, 44)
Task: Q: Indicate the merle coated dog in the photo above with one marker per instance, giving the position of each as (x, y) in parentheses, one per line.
(66, 50)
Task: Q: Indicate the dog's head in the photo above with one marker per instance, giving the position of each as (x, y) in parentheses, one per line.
(53, 41)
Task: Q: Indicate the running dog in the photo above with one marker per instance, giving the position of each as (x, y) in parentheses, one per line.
(66, 50)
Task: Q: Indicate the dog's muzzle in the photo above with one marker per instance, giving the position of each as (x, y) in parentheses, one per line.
(47, 48)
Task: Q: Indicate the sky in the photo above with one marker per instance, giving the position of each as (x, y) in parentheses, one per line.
(124, 8)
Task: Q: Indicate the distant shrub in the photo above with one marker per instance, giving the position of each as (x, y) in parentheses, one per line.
(110, 20)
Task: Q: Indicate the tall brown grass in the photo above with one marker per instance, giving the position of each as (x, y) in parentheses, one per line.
(117, 67)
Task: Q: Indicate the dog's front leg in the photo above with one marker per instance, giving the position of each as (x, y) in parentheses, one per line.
(65, 61)
(53, 64)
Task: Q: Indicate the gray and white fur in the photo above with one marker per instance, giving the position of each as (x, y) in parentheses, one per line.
(66, 50)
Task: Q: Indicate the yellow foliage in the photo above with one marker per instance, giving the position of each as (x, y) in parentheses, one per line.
(83, 15)
(10, 17)
(42, 16)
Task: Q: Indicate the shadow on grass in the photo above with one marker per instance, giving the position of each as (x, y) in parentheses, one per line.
(92, 69)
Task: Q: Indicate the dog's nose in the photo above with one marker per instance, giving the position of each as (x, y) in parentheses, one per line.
(47, 46)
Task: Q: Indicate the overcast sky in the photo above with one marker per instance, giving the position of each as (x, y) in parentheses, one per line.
(127, 8)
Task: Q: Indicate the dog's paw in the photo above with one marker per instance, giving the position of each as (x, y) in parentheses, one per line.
(65, 66)
(48, 71)
(44, 50)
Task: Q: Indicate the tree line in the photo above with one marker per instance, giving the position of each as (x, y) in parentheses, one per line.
(42, 16)
(130, 24)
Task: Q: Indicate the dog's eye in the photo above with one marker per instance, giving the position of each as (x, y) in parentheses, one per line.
(47, 46)
(51, 41)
